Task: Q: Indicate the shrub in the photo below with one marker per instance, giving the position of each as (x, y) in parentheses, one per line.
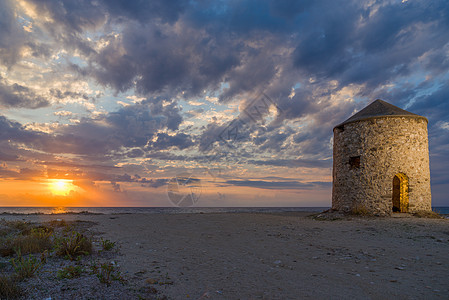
(37, 241)
(106, 273)
(6, 247)
(73, 245)
(5, 231)
(3, 265)
(18, 225)
(70, 272)
(25, 267)
(9, 288)
(107, 245)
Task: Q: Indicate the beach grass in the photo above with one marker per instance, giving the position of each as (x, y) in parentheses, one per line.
(73, 245)
(106, 273)
(26, 267)
(9, 288)
(427, 214)
(36, 241)
(18, 225)
(107, 245)
(70, 272)
(31, 254)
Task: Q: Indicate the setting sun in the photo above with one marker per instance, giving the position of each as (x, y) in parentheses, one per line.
(61, 187)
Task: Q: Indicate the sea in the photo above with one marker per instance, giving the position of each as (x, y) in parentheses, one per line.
(153, 210)
(167, 210)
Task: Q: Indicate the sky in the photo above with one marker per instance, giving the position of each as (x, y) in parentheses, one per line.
(113, 102)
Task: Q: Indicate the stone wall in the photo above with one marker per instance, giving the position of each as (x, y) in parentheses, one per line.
(370, 152)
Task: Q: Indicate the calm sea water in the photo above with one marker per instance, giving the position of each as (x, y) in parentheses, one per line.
(153, 210)
(168, 210)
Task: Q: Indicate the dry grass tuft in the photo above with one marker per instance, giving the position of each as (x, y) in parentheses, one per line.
(427, 214)
(360, 210)
(9, 288)
(37, 241)
(6, 247)
(22, 226)
(5, 231)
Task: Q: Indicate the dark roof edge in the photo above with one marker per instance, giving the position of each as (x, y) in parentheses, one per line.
(381, 117)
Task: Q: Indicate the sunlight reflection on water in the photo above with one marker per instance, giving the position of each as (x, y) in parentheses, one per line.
(59, 210)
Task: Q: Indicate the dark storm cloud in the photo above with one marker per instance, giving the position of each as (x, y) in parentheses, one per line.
(83, 15)
(16, 95)
(162, 60)
(166, 156)
(8, 157)
(294, 163)
(68, 20)
(14, 132)
(142, 10)
(180, 140)
(22, 174)
(371, 44)
(154, 183)
(68, 94)
(12, 35)
(126, 178)
(277, 185)
(168, 47)
(435, 106)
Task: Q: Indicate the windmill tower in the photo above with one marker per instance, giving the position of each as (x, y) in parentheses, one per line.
(381, 161)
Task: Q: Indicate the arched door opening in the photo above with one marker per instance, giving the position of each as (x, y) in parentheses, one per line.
(400, 193)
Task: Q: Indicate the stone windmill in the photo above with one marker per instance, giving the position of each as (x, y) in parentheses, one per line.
(381, 161)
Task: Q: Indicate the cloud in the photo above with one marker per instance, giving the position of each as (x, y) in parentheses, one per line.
(12, 35)
(128, 127)
(168, 59)
(8, 157)
(294, 163)
(319, 61)
(165, 141)
(63, 113)
(278, 185)
(16, 95)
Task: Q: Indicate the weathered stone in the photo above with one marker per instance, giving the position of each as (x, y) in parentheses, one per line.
(370, 149)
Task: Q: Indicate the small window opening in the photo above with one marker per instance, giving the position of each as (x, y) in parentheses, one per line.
(354, 162)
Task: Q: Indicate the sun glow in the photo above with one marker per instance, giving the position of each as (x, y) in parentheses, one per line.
(61, 187)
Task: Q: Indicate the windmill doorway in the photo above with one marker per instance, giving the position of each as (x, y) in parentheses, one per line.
(400, 193)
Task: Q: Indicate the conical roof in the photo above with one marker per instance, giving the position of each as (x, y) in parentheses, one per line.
(380, 108)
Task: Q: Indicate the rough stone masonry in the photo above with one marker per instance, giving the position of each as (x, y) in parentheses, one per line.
(373, 147)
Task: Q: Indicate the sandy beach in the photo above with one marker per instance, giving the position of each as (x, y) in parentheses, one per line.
(276, 256)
